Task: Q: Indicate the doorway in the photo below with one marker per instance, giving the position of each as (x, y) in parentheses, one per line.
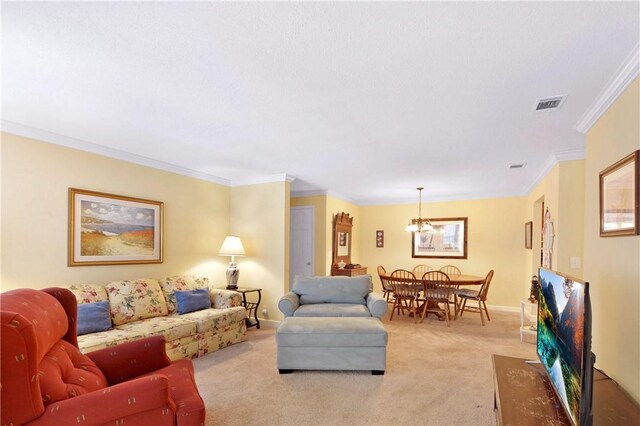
(301, 242)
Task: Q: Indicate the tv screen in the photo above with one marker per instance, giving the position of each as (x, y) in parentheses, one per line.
(564, 341)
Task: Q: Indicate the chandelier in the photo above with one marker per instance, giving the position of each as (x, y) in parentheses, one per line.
(419, 224)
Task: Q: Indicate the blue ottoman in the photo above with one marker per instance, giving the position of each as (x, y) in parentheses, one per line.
(331, 343)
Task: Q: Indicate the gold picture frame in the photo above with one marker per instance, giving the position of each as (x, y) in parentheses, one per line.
(528, 235)
(447, 241)
(619, 195)
(108, 229)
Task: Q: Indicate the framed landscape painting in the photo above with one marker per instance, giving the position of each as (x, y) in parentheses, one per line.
(448, 240)
(619, 195)
(107, 229)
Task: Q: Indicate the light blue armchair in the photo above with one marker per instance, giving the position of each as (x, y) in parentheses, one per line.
(332, 297)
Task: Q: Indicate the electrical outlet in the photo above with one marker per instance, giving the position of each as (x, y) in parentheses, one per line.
(265, 313)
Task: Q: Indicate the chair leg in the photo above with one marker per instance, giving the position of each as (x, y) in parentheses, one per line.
(463, 304)
(447, 312)
(393, 309)
(486, 311)
(480, 311)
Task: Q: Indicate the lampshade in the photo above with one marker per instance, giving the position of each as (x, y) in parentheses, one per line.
(232, 246)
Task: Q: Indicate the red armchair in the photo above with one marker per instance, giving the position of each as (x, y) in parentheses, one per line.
(45, 380)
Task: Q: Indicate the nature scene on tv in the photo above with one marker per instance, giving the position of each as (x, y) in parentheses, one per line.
(561, 336)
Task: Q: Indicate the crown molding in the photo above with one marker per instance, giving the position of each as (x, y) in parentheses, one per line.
(624, 75)
(311, 193)
(94, 148)
(552, 160)
(278, 177)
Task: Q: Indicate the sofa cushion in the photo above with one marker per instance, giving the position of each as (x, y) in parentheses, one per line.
(332, 310)
(135, 300)
(328, 332)
(192, 300)
(103, 339)
(89, 293)
(332, 289)
(211, 320)
(171, 328)
(64, 373)
(179, 283)
(93, 317)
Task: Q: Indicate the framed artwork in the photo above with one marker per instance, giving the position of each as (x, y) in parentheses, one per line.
(379, 238)
(528, 235)
(107, 229)
(448, 240)
(619, 197)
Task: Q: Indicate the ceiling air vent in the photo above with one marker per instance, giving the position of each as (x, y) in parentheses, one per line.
(517, 166)
(550, 104)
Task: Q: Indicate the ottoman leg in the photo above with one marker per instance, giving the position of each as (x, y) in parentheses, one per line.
(377, 372)
(284, 371)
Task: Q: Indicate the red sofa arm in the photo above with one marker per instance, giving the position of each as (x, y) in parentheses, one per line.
(145, 401)
(132, 359)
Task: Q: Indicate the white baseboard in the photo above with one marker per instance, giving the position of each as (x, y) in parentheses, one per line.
(266, 323)
(501, 308)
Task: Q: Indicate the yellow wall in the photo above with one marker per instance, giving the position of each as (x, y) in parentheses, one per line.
(562, 191)
(260, 217)
(321, 227)
(612, 265)
(495, 241)
(35, 180)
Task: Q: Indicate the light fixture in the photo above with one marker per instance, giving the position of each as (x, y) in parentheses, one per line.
(419, 224)
(232, 246)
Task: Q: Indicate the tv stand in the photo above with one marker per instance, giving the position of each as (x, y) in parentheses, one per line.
(523, 396)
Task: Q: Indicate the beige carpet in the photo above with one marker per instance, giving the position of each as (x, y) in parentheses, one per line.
(435, 376)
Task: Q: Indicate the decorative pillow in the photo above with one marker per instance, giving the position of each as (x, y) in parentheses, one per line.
(93, 317)
(89, 293)
(135, 300)
(180, 282)
(192, 300)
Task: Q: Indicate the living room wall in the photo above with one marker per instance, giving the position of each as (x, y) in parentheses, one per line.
(35, 180)
(260, 217)
(495, 241)
(612, 265)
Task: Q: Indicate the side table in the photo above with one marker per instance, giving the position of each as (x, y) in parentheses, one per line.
(251, 306)
(528, 310)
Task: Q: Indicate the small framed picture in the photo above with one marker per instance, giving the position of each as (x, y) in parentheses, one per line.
(619, 197)
(528, 234)
(379, 238)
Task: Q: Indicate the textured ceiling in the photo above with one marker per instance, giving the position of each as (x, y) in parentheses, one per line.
(368, 100)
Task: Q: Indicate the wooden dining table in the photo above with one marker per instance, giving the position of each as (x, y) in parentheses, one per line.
(458, 280)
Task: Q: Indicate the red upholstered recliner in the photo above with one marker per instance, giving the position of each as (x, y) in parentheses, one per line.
(47, 381)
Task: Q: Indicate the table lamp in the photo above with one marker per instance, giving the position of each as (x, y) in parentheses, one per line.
(232, 246)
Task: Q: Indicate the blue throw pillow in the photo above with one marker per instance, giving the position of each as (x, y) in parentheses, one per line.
(93, 317)
(192, 300)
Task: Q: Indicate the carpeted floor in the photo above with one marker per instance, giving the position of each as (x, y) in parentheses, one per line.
(435, 376)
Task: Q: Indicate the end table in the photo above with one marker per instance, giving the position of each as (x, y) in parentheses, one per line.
(251, 306)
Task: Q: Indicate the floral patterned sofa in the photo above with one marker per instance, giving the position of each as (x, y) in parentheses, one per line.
(147, 307)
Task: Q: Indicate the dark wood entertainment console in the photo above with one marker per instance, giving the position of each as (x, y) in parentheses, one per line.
(523, 396)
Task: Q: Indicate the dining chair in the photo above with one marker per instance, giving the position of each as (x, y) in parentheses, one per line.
(406, 292)
(419, 270)
(452, 271)
(387, 291)
(479, 296)
(438, 290)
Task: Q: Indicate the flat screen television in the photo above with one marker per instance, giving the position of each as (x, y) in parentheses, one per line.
(564, 342)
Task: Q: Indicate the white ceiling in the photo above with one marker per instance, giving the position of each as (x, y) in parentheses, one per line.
(367, 100)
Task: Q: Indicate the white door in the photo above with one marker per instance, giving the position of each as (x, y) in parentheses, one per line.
(301, 236)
